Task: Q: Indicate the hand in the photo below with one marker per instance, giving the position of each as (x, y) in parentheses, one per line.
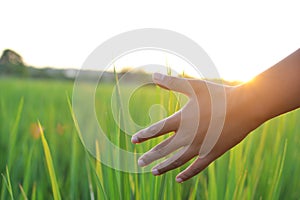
(191, 124)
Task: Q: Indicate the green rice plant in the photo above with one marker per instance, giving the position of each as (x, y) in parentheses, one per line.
(27, 173)
(6, 179)
(98, 168)
(90, 183)
(212, 184)
(265, 165)
(275, 187)
(23, 192)
(50, 167)
(33, 194)
(13, 133)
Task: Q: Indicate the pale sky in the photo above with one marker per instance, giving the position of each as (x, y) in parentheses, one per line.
(242, 39)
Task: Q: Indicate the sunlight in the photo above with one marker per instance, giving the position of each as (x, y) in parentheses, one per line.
(151, 61)
(232, 75)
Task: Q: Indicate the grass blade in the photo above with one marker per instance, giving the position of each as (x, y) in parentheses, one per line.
(8, 183)
(49, 162)
(275, 188)
(33, 193)
(23, 192)
(212, 183)
(13, 134)
(100, 191)
(91, 190)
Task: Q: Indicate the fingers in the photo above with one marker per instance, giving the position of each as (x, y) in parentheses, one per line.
(159, 151)
(162, 127)
(181, 85)
(196, 167)
(179, 159)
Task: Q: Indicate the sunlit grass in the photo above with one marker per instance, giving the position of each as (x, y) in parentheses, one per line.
(266, 165)
(50, 167)
(7, 182)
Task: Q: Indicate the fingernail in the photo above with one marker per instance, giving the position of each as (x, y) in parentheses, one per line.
(134, 139)
(141, 163)
(155, 172)
(158, 76)
(179, 180)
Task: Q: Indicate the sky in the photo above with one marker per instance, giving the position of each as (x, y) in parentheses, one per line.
(243, 38)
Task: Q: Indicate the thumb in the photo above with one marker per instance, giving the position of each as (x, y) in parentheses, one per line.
(177, 84)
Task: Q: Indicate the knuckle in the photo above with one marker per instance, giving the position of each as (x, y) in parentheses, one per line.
(160, 152)
(154, 154)
(149, 132)
(155, 128)
(190, 173)
(194, 171)
(146, 158)
(170, 81)
(152, 130)
(157, 147)
(176, 163)
(169, 166)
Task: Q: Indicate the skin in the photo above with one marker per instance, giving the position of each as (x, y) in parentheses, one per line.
(270, 94)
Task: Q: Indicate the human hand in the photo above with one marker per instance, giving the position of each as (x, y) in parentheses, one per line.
(193, 122)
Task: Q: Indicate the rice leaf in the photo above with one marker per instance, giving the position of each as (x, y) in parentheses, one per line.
(50, 167)
(7, 182)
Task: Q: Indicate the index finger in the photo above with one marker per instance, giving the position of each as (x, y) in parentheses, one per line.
(177, 84)
(162, 127)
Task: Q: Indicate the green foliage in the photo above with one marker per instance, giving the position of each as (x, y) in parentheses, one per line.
(49, 162)
(13, 69)
(264, 166)
(6, 180)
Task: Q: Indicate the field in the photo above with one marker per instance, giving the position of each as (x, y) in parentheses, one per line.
(264, 166)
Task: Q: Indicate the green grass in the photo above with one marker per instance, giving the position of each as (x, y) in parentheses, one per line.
(49, 162)
(52, 163)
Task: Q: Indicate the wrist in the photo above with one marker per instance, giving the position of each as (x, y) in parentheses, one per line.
(247, 105)
(256, 102)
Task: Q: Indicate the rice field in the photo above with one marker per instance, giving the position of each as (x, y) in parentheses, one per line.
(42, 157)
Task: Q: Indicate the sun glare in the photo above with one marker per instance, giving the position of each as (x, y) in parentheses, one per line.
(151, 61)
(235, 76)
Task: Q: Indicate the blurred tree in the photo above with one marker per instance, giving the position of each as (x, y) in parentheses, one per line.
(11, 63)
(11, 57)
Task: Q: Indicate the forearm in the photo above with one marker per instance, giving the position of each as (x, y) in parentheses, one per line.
(277, 90)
